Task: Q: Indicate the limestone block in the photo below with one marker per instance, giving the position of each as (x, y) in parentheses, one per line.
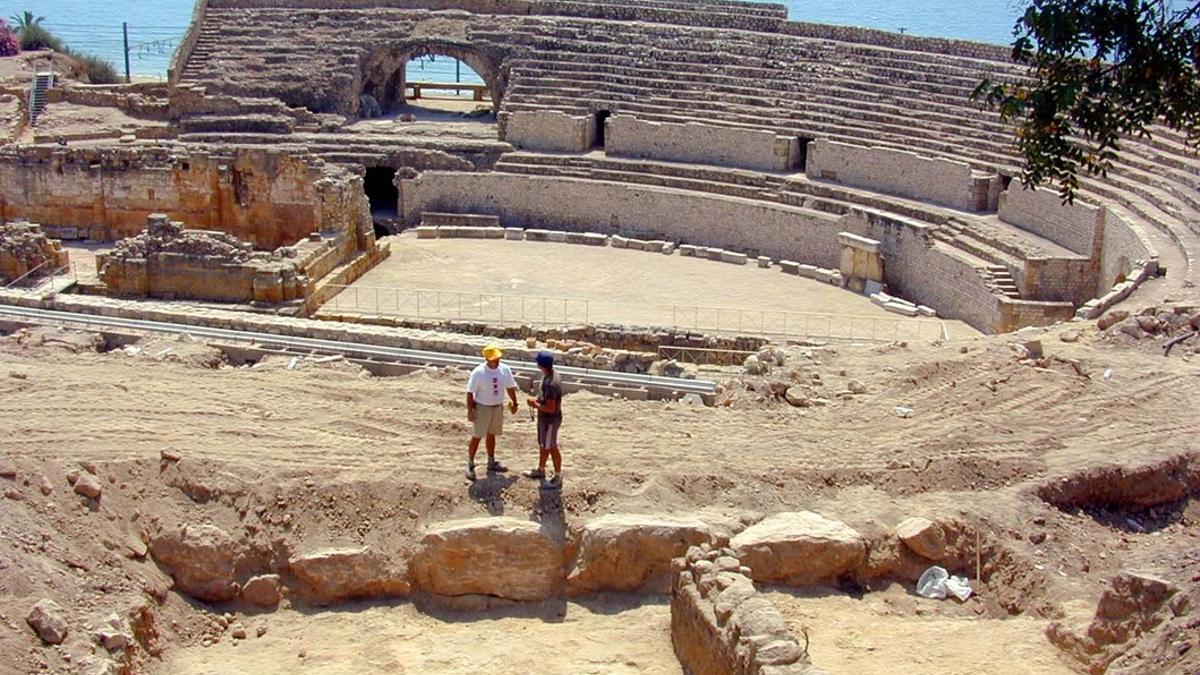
(635, 244)
(799, 548)
(668, 249)
(514, 233)
(900, 307)
(923, 536)
(426, 232)
(734, 258)
(493, 232)
(626, 552)
(537, 235)
(789, 266)
(586, 238)
(619, 241)
(881, 298)
(504, 557)
(764, 262)
(557, 237)
(336, 574)
(687, 250)
(925, 310)
(654, 246)
(808, 271)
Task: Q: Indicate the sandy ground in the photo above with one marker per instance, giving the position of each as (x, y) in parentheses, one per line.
(876, 633)
(332, 456)
(601, 635)
(672, 290)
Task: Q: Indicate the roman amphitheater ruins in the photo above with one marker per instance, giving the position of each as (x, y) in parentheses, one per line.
(816, 337)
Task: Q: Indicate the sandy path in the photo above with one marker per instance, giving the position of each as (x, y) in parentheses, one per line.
(601, 635)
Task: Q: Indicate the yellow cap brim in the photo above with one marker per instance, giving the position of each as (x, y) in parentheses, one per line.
(490, 353)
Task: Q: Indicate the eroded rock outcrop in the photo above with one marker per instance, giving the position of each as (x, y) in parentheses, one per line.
(502, 557)
(201, 560)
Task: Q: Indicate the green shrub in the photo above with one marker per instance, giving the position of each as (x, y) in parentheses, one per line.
(35, 37)
(99, 70)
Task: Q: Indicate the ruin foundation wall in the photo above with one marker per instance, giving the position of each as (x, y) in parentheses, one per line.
(629, 136)
(1077, 227)
(269, 198)
(897, 172)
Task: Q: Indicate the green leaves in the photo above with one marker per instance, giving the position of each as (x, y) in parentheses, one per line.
(26, 19)
(1099, 71)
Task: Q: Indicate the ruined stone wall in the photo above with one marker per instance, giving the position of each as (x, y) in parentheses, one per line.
(547, 130)
(720, 625)
(168, 261)
(271, 199)
(752, 227)
(1070, 280)
(629, 136)
(897, 172)
(1077, 227)
(24, 248)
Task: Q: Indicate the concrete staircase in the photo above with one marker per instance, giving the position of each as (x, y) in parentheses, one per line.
(42, 82)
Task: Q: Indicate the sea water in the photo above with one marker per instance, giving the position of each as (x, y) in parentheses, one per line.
(157, 26)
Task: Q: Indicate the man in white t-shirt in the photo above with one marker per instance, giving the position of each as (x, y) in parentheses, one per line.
(486, 387)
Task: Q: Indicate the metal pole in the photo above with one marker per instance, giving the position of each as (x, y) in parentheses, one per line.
(125, 32)
(457, 71)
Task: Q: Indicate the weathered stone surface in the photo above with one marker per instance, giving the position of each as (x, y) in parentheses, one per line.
(46, 619)
(799, 548)
(503, 557)
(88, 486)
(623, 552)
(336, 574)
(925, 537)
(201, 560)
(262, 590)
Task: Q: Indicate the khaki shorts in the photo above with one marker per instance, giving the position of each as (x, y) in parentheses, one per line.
(489, 419)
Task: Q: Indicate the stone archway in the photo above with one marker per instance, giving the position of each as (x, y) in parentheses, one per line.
(384, 71)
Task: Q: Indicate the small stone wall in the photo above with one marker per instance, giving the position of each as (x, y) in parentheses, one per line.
(721, 626)
(698, 143)
(546, 130)
(25, 247)
(898, 172)
(1077, 227)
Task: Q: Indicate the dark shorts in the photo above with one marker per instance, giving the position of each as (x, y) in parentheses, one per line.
(548, 432)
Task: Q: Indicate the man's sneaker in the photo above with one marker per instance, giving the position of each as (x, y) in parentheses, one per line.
(556, 481)
(471, 472)
(496, 467)
(536, 474)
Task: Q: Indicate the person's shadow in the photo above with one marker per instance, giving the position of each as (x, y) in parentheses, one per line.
(489, 491)
(549, 509)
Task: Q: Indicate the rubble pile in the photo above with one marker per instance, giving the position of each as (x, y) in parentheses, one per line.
(25, 247)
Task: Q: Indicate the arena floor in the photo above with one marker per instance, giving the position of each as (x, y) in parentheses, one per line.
(541, 282)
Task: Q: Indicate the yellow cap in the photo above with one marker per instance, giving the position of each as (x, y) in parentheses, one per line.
(492, 352)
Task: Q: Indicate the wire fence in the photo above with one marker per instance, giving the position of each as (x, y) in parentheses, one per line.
(781, 324)
(420, 303)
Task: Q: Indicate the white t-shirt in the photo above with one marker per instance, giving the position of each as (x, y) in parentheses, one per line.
(490, 386)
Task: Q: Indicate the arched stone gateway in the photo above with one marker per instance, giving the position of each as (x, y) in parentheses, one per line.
(384, 71)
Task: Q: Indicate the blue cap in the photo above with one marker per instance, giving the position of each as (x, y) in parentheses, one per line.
(545, 359)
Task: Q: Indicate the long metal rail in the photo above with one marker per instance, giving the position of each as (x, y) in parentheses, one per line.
(358, 350)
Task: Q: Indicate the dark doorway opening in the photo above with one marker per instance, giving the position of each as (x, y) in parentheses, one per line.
(380, 186)
(802, 153)
(601, 117)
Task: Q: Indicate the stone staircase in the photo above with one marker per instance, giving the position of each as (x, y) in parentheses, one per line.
(42, 82)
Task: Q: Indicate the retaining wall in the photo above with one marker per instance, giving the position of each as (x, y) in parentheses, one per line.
(629, 136)
(547, 130)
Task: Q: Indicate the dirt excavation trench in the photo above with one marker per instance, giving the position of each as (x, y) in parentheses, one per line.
(166, 512)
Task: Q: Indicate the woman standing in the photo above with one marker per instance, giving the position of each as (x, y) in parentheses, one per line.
(549, 408)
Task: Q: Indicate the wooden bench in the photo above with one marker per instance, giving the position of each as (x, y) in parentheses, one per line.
(477, 89)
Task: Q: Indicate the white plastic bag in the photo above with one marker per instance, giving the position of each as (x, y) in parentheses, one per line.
(936, 583)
